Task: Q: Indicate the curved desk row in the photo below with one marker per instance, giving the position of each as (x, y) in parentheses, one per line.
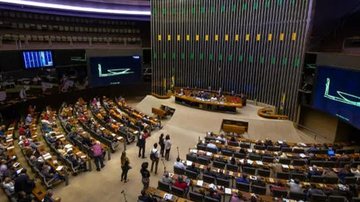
(270, 114)
(207, 105)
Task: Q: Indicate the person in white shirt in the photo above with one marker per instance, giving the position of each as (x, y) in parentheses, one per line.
(167, 147)
(154, 156)
(179, 164)
(9, 185)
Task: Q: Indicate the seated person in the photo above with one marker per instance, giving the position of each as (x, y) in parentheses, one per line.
(279, 186)
(166, 178)
(328, 173)
(242, 179)
(208, 171)
(295, 186)
(179, 164)
(49, 173)
(9, 185)
(214, 194)
(179, 183)
(212, 145)
(232, 161)
(221, 138)
(314, 190)
(237, 197)
(345, 172)
(221, 175)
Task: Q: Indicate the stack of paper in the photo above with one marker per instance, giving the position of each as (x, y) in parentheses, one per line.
(302, 155)
(250, 161)
(199, 183)
(285, 166)
(168, 197)
(59, 168)
(15, 165)
(227, 191)
(188, 163)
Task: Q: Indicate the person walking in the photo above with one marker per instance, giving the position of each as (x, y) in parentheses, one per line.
(125, 166)
(167, 147)
(154, 156)
(98, 155)
(162, 144)
(145, 175)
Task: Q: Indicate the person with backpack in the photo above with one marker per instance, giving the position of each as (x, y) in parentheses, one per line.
(154, 156)
(162, 144)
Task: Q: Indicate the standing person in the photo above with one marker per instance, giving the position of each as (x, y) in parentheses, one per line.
(162, 144)
(125, 166)
(167, 147)
(145, 175)
(141, 144)
(23, 183)
(154, 156)
(98, 155)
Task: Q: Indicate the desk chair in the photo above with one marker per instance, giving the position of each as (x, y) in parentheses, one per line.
(177, 191)
(317, 179)
(196, 196)
(284, 176)
(299, 176)
(179, 171)
(227, 152)
(258, 190)
(268, 159)
(190, 174)
(233, 168)
(298, 162)
(318, 198)
(280, 193)
(249, 170)
(218, 164)
(273, 148)
(285, 161)
(350, 180)
(245, 145)
(210, 199)
(208, 178)
(203, 161)
(239, 155)
(260, 147)
(222, 182)
(201, 147)
(297, 196)
(263, 172)
(191, 157)
(164, 186)
(233, 143)
(243, 186)
(254, 157)
(331, 180)
(337, 199)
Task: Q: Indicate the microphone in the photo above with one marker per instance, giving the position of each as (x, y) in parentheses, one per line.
(122, 191)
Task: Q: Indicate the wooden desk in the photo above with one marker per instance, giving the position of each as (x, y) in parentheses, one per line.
(270, 114)
(159, 193)
(207, 105)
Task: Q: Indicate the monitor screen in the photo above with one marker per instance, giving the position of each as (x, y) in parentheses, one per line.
(337, 91)
(37, 59)
(106, 71)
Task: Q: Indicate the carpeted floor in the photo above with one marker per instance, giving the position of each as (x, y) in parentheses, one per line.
(185, 127)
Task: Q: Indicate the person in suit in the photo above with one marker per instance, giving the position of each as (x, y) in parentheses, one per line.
(162, 144)
(23, 183)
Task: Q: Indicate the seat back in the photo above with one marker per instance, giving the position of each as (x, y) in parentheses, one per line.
(318, 198)
(212, 150)
(299, 176)
(239, 155)
(273, 148)
(285, 161)
(233, 143)
(179, 171)
(191, 174)
(191, 157)
(223, 182)
(218, 164)
(249, 170)
(298, 162)
(297, 196)
(268, 159)
(233, 168)
(203, 161)
(245, 145)
(208, 178)
(316, 179)
(350, 180)
(243, 186)
(280, 193)
(286, 149)
(196, 197)
(258, 190)
(210, 199)
(201, 147)
(177, 191)
(163, 186)
(254, 157)
(355, 199)
(282, 175)
(259, 147)
(337, 198)
(227, 152)
(263, 173)
(331, 180)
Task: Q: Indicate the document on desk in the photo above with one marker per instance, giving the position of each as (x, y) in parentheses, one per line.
(260, 163)
(59, 168)
(168, 196)
(285, 166)
(193, 151)
(227, 191)
(188, 163)
(199, 183)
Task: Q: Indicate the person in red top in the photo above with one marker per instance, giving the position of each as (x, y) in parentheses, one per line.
(180, 183)
(22, 131)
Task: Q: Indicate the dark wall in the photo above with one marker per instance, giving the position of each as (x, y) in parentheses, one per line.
(226, 44)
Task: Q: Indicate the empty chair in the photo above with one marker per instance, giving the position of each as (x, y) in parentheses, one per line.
(177, 191)
(331, 180)
(191, 157)
(163, 186)
(298, 162)
(260, 147)
(233, 143)
(337, 198)
(218, 164)
(239, 155)
(297, 196)
(355, 164)
(208, 178)
(318, 198)
(329, 164)
(298, 150)
(249, 170)
(233, 168)
(196, 196)
(268, 159)
(212, 150)
(243, 186)
(317, 179)
(254, 157)
(263, 173)
(280, 193)
(345, 151)
(285, 161)
(245, 145)
(227, 152)
(223, 182)
(201, 147)
(179, 171)
(191, 174)
(355, 199)
(286, 149)
(203, 161)
(282, 175)
(258, 190)
(350, 180)
(299, 176)
(210, 199)
(273, 148)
